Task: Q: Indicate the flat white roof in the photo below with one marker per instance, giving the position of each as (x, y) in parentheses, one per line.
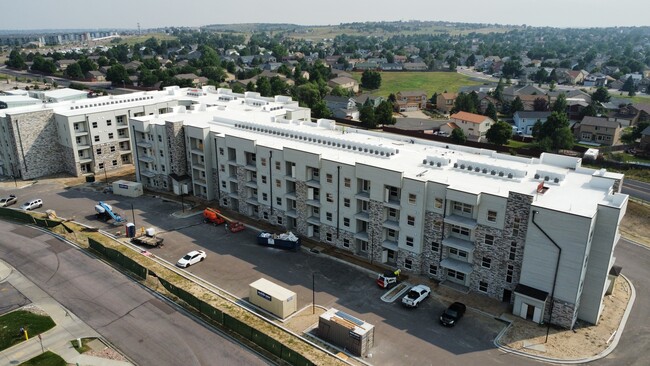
(272, 289)
(18, 98)
(62, 93)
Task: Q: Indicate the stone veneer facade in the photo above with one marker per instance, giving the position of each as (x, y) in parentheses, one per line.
(176, 144)
(564, 313)
(375, 229)
(37, 147)
(302, 209)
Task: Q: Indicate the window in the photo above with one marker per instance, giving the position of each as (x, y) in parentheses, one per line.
(510, 273)
(221, 151)
(161, 153)
(263, 161)
(346, 243)
(489, 239)
(347, 182)
(408, 264)
(486, 262)
(315, 211)
(265, 215)
(458, 253)
(460, 230)
(409, 241)
(410, 220)
(435, 247)
(120, 119)
(109, 122)
(264, 179)
(462, 208)
(433, 270)
(365, 185)
(159, 138)
(100, 166)
(328, 237)
(265, 197)
(278, 201)
(346, 222)
(280, 222)
(278, 183)
(94, 124)
(110, 135)
(516, 225)
(513, 251)
(329, 197)
(483, 286)
(112, 148)
(98, 151)
(438, 203)
(114, 162)
(346, 202)
(457, 275)
(329, 178)
(315, 173)
(363, 246)
(277, 165)
(222, 167)
(223, 184)
(328, 216)
(412, 198)
(492, 216)
(96, 138)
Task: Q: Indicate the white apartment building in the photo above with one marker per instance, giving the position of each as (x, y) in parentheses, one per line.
(538, 233)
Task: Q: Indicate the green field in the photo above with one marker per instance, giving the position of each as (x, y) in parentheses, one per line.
(45, 359)
(430, 82)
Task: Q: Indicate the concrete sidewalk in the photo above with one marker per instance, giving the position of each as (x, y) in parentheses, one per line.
(57, 339)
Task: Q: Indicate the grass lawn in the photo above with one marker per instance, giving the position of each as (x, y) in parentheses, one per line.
(644, 99)
(84, 344)
(11, 323)
(45, 359)
(430, 82)
(517, 144)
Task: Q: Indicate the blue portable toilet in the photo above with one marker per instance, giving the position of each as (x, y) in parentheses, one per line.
(130, 230)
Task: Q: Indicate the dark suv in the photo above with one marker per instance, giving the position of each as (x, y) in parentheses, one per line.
(453, 313)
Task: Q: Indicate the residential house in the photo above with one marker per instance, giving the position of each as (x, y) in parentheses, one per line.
(391, 67)
(342, 107)
(63, 64)
(475, 126)
(133, 65)
(513, 91)
(595, 80)
(445, 101)
(361, 66)
(95, 76)
(415, 66)
(411, 100)
(345, 83)
(525, 120)
(484, 100)
(400, 59)
(191, 77)
(645, 139)
(599, 130)
(373, 100)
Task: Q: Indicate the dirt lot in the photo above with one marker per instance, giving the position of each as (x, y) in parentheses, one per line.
(636, 222)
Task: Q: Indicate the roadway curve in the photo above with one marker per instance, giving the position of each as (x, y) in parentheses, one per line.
(141, 325)
(636, 189)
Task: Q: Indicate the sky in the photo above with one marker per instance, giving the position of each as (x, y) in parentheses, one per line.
(95, 14)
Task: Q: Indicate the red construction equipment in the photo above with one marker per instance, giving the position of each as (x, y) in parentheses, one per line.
(217, 218)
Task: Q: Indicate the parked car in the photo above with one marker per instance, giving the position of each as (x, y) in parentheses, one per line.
(8, 201)
(32, 204)
(452, 314)
(190, 258)
(416, 295)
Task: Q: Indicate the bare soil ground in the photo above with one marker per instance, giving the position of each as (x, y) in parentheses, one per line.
(584, 341)
(634, 225)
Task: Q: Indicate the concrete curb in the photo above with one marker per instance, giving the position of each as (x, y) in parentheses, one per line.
(603, 354)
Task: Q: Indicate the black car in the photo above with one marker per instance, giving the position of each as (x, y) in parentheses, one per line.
(452, 314)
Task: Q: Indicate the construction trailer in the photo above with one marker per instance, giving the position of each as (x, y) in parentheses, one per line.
(346, 331)
(127, 188)
(215, 217)
(273, 298)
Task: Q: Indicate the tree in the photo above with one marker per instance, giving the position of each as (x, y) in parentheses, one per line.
(601, 95)
(458, 136)
(511, 68)
(555, 133)
(499, 133)
(86, 65)
(516, 105)
(392, 98)
(338, 91)
(320, 110)
(117, 75)
(491, 111)
(628, 86)
(384, 113)
(540, 104)
(16, 60)
(560, 104)
(541, 76)
(371, 79)
(634, 133)
(466, 103)
(263, 86)
(73, 71)
(367, 116)
(498, 91)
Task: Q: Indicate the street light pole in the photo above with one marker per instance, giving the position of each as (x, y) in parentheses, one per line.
(133, 214)
(313, 293)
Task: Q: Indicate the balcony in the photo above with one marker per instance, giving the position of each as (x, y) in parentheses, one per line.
(85, 159)
(145, 144)
(362, 195)
(145, 158)
(313, 202)
(362, 215)
(461, 221)
(395, 204)
(233, 195)
(80, 132)
(122, 137)
(390, 243)
(290, 178)
(361, 235)
(456, 265)
(460, 244)
(251, 184)
(391, 224)
(313, 183)
(252, 201)
(292, 213)
(314, 220)
(200, 181)
(148, 173)
(290, 195)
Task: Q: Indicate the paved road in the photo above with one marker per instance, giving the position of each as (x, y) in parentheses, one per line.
(636, 189)
(147, 329)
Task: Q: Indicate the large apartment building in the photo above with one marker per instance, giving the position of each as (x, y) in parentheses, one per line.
(77, 137)
(538, 233)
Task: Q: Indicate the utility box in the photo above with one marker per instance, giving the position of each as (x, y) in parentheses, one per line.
(273, 298)
(128, 189)
(346, 331)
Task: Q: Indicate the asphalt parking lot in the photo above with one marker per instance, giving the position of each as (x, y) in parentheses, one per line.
(234, 260)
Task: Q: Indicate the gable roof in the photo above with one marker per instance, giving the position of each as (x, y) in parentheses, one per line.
(342, 80)
(469, 117)
(448, 95)
(646, 131)
(599, 122)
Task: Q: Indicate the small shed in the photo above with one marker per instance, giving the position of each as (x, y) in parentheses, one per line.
(273, 298)
(346, 331)
(127, 188)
